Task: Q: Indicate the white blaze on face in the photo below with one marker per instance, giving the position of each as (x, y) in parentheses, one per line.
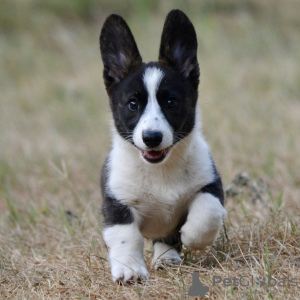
(153, 118)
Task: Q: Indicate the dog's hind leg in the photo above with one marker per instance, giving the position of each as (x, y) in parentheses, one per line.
(166, 250)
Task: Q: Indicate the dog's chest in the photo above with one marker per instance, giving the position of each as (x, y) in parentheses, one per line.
(159, 198)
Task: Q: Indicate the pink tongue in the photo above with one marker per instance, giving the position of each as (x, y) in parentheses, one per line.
(154, 154)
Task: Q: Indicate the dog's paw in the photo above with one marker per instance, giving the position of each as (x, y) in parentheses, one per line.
(164, 255)
(203, 222)
(198, 240)
(166, 261)
(129, 271)
(125, 244)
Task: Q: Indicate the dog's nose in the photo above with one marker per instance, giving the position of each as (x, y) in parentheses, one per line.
(152, 138)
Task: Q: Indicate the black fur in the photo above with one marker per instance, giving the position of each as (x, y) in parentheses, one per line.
(132, 87)
(118, 49)
(178, 48)
(216, 187)
(115, 212)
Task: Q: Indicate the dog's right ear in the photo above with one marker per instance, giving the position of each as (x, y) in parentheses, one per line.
(118, 50)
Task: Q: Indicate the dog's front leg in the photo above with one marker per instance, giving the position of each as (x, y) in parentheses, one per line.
(126, 245)
(205, 217)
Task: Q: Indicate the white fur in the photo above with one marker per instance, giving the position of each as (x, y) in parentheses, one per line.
(204, 221)
(153, 118)
(158, 194)
(164, 253)
(126, 252)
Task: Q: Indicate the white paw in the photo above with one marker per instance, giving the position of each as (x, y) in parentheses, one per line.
(129, 270)
(197, 240)
(203, 223)
(125, 244)
(164, 255)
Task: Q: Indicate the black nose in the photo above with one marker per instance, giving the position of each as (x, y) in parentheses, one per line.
(152, 138)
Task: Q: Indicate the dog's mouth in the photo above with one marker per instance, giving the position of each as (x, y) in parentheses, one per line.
(155, 156)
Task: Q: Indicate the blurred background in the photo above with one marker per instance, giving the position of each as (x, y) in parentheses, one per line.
(54, 113)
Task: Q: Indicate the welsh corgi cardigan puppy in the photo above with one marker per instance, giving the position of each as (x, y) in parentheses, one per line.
(159, 180)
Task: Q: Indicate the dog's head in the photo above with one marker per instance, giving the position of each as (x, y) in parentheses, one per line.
(153, 104)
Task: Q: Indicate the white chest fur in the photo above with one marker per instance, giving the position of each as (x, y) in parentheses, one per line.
(159, 194)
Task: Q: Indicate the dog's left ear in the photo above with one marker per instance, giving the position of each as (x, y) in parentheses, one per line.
(118, 50)
(178, 48)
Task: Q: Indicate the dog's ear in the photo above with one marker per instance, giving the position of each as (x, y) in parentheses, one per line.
(118, 50)
(178, 48)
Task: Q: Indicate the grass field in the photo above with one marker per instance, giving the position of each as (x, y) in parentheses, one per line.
(55, 122)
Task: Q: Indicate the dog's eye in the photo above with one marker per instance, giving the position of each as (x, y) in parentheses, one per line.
(172, 103)
(133, 105)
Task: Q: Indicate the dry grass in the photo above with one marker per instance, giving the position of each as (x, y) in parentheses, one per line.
(54, 120)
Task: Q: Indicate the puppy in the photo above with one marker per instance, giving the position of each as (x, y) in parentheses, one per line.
(159, 180)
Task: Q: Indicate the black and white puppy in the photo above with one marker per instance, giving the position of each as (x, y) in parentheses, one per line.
(159, 180)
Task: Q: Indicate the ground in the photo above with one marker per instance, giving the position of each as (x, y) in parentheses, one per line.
(55, 134)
